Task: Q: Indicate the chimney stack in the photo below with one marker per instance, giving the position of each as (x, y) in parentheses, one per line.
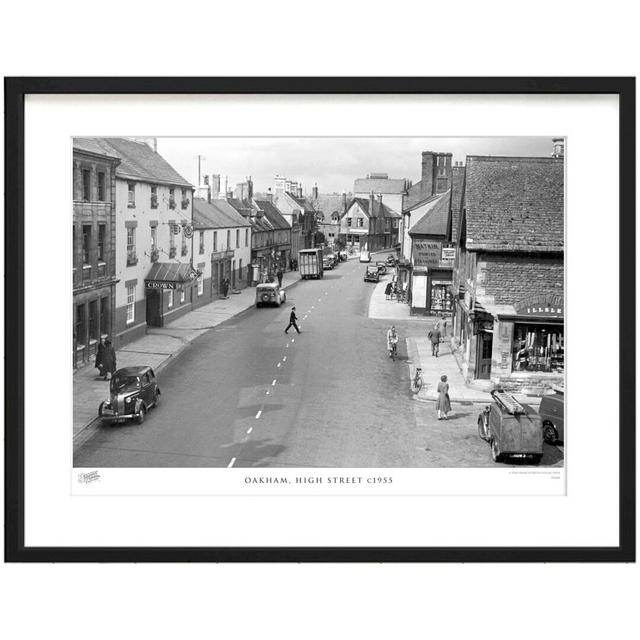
(371, 201)
(344, 201)
(314, 192)
(269, 195)
(426, 180)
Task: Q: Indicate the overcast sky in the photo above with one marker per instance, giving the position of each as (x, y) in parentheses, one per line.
(334, 163)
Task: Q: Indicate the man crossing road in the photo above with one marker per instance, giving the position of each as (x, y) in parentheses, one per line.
(292, 321)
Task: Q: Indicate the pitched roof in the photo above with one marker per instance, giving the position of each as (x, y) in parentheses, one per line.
(272, 214)
(243, 207)
(457, 188)
(379, 208)
(90, 145)
(138, 161)
(216, 214)
(514, 204)
(328, 204)
(379, 185)
(301, 202)
(436, 221)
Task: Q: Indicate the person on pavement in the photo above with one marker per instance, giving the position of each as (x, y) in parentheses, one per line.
(292, 321)
(392, 340)
(443, 405)
(279, 274)
(434, 336)
(388, 289)
(108, 360)
(99, 358)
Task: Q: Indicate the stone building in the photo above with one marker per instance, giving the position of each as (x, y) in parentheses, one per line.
(153, 238)
(221, 250)
(509, 274)
(94, 255)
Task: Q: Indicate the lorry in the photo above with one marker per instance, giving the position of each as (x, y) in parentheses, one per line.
(310, 263)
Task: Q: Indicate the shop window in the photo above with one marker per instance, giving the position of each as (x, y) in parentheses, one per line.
(182, 296)
(441, 298)
(538, 347)
(200, 285)
(170, 299)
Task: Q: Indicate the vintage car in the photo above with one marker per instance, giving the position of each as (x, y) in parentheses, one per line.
(391, 260)
(551, 412)
(382, 267)
(270, 293)
(343, 256)
(512, 430)
(372, 274)
(327, 263)
(365, 256)
(133, 391)
(333, 257)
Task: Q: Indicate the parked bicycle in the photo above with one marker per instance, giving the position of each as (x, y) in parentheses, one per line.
(417, 379)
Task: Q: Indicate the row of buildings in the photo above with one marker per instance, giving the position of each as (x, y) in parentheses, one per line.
(483, 242)
(148, 246)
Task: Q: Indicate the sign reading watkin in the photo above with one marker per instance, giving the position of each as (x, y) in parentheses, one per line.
(550, 306)
(426, 253)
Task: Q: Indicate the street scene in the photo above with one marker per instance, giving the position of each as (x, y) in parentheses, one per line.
(388, 321)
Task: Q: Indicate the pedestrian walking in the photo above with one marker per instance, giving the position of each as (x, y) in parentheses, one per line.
(434, 336)
(279, 274)
(108, 360)
(388, 289)
(99, 358)
(443, 405)
(292, 321)
(295, 264)
(225, 287)
(443, 327)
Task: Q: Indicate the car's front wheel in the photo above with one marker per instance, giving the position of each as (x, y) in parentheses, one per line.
(496, 454)
(549, 432)
(141, 414)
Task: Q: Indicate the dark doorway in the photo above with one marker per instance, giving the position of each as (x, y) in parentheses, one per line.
(215, 279)
(485, 347)
(154, 308)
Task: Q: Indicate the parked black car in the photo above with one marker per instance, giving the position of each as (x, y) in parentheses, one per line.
(133, 391)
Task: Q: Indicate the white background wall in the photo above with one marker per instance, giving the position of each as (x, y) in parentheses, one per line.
(373, 601)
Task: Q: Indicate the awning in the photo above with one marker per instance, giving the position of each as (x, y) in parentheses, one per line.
(169, 275)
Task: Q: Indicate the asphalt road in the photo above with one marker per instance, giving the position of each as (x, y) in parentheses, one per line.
(247, 395)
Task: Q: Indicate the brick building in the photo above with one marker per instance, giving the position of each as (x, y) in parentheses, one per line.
(369, 224)
(509, 275)
(94, 255)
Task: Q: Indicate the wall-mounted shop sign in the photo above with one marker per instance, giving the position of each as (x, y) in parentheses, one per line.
(158, 284)
(448, 254)
(426, 253)
(549, 306)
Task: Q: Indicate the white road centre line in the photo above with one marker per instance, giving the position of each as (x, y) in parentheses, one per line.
(273, 384)
(293, 339)
(312, 307)
(231, 463)
(284, 359)
(279, 364)
(258, 414)
(267, 392)
(249, 430)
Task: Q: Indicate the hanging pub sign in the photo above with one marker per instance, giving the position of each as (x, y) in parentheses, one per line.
(547, 306)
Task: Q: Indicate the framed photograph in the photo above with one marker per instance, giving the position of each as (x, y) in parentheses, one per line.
(320, 319)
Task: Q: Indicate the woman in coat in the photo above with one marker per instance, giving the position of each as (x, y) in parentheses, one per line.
(108, 359)
(388, 289)
(99, 357)
(443, 405)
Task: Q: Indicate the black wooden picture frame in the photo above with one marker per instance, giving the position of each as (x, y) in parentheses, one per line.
(16, 89)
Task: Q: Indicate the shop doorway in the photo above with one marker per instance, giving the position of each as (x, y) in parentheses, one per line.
(485, 348)
(154, 308)
(215, 279)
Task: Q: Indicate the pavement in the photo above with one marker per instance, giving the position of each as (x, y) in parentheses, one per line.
(157, 349)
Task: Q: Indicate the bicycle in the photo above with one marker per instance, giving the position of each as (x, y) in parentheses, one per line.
(393, 351)
(417, 379)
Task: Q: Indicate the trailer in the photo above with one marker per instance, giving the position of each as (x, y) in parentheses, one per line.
(310, 263)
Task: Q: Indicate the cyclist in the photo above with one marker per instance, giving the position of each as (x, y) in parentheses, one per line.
(392, 342)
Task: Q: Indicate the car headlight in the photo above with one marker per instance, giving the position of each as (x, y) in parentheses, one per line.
(128, 400)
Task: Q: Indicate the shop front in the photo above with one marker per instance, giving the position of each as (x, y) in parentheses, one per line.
(221, 270)
(521, 346)
(431, 279)
(175, 278)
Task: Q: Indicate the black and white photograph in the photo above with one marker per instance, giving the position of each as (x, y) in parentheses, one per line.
(318, 302)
